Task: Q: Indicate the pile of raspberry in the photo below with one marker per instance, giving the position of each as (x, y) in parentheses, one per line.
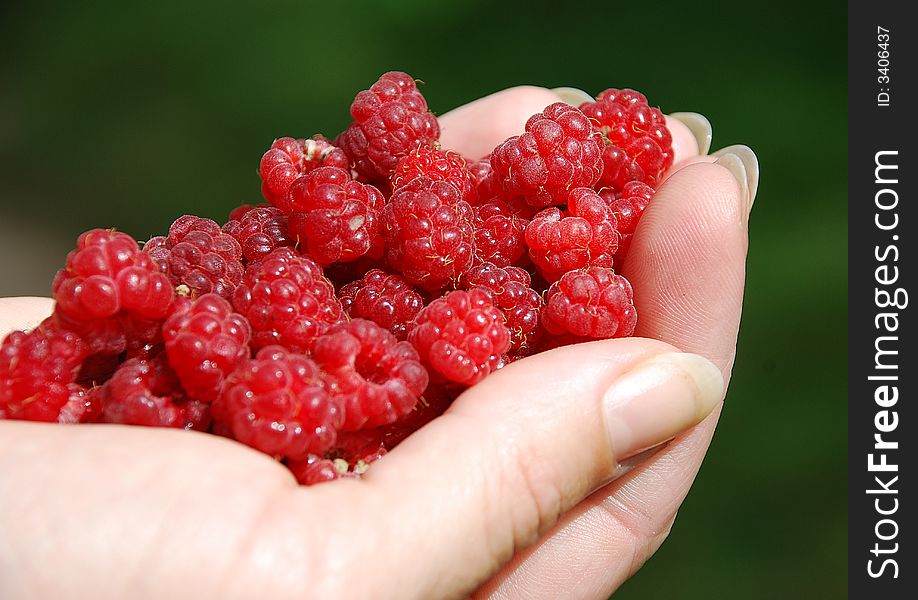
(383, 276)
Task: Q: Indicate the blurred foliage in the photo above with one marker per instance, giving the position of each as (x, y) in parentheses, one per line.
(126, 114)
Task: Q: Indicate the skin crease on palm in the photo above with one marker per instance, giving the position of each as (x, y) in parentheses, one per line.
(522, 490)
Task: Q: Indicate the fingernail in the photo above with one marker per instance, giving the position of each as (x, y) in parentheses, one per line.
(573, 96)
(658, 399)
(700, 127)
(743, 163)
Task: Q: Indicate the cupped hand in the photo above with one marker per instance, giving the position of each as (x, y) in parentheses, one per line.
(549, 479)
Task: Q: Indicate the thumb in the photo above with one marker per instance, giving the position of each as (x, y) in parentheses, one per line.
(519, 449)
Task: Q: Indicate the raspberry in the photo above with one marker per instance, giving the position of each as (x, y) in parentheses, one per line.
(593, 302)
(376, 378)
(289, 158)
(487, 185)
(500, 235)
(146, 391)
(511, 291)
(461, 335)
(279, 403)
(390, 120)
(628, 207)
(259, 230)
(111, 293)
(560, 150)
(336, 219)
(238, 212)
(198, 254)
(287, 301)
(429, 233)
(315, 469)
(436, 164)
(386, 299)
(205, 342)
(638, 145)
(585, 236)
(37, 374)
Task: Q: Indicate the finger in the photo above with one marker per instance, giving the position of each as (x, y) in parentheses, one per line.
(519, 449)
(23, 312)
(687, 267)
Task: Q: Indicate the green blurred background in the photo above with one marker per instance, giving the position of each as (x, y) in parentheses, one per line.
(129, 114)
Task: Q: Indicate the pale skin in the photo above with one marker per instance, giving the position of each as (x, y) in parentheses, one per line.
(537, 483)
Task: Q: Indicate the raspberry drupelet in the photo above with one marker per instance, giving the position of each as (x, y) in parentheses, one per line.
(289, 159)
(146, 391)
(559, 151)
(500, 234)
(279, 403)
(461, 336)
(638, 145)
(333, 218)
(510, 287)
(586, 235)
(376, 378)
(628, 207)
(287, 301)
(205, 341)
(259, 230)
(390, 120)
(436, 164)
(110, 293)
(198, 254)
(384, 298)
(593, 302)
(429, 233)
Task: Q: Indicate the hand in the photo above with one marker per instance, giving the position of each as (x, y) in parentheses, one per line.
(534, 484)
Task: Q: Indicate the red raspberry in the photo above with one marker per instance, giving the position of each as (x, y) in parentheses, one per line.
(315, 469)
(238, 212)
(390, 120)
(289, 158)
(205, 342)
(279, 403)
(593, 302)
(638, 145)
(461, 335)
(386, 299)
(37, 374)
(259, 230)
(198, 254)
(335, 218)
(111, 293)
(487, 185)
(436, 164)
(559, 151)
(629, 207)
(429, 233)
(287, 301)
(147, 392)
(376, 377)
(510, 287)
(585, 236)
(500, 235)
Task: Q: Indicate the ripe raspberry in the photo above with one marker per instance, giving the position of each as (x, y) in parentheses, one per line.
(315, 469)
(628, 207)
(336, 219)
(390, 120)
(386, 299)
(487, 185)
(500, 235)
(429, 233)
(289, 159)
(638, 145)
(259, 230)
(278, 403)
(287, 301)
(559, 151)
(37, 374)
(511, 291)
(593, 302)
(436, 164)
(110, 293)
(238, 212)
(197, 253)
(376, 378)
(147, 392)
(205, 342)
(585, 236)
(461, 335)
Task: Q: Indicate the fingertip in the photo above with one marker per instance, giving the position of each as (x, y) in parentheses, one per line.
(23, 312)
